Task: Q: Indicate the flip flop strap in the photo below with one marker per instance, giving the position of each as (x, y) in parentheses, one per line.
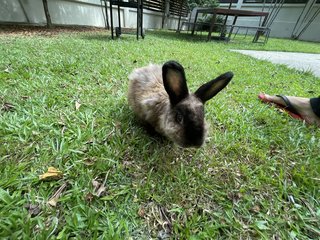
(288, 106)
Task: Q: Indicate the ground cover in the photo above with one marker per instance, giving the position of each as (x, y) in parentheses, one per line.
(63, 105)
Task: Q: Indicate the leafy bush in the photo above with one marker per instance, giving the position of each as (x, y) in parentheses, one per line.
(202, 3)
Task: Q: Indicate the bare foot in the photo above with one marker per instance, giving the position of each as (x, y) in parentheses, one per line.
(301, 105)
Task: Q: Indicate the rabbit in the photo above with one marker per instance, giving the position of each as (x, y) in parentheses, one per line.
(159, 96)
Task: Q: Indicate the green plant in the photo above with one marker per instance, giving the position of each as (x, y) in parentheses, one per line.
(63, 104)
(202, 3)
(206, 20)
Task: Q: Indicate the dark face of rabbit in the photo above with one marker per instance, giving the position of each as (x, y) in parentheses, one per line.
(185, 123)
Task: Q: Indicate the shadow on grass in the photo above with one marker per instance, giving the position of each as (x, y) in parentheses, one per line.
(163, 34)
(137, 126)
(107, 37)
(202, 37)
(182, 36)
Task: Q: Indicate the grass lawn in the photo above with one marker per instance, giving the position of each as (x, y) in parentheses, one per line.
(63, 105)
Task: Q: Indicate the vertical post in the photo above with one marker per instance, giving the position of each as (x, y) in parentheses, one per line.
(46, 11)
(213, 20)
(195, 22)
(107, 17)
(138, 16)
(141, 16)
(119, 19)
(111, 19)
(180, 13)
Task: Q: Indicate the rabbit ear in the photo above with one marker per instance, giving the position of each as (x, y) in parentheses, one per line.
(174, 81)
(210, 89)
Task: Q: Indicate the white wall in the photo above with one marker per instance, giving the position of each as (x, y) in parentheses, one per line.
(76, 13)
(84, 12)
(23, 11)
(73, 12)
(285, 21)
(90, 13)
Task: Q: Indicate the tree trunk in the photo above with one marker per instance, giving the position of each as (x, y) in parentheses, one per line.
(46, 11)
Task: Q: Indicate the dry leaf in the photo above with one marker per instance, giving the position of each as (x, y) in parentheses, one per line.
(99, 188)
(89, 161)
(77, 105)
(159, 217)
(33, 209)
(255, 209)
(89, 197)
(7, 107)
(95, 184)
(55, 197)
(51, 174)
(235, 197)
(25, 97)
(141, 212)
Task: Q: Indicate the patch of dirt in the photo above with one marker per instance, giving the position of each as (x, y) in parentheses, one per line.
(25, 30)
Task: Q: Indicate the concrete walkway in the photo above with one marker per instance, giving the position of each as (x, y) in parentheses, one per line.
(300, 61)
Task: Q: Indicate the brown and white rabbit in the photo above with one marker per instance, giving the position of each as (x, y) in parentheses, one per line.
(159, 96)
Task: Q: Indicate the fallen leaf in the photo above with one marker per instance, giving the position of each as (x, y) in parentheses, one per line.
(55, 197)
(159, 217)
(99, 188)
(89, 161)
(141, 212)
(77, 105)
(127, 164)
(91, 141)
(7, 107)
(33, 209)
(51, 174)
(234, 196)
(95, 184)
(89, 197)
(25, 97)
(255, 209)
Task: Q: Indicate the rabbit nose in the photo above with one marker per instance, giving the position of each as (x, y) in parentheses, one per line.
(195, 136)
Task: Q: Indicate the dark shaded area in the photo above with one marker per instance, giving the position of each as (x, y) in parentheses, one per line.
(43, 30)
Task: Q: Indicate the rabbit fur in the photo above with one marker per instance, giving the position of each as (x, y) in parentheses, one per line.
(159, 96)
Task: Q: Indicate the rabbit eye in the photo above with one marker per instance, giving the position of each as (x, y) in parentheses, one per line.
(179, 117)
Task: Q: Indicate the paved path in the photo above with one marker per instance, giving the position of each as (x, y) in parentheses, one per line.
(300, 61)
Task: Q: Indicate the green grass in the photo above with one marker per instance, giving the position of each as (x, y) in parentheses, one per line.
(257, 177)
